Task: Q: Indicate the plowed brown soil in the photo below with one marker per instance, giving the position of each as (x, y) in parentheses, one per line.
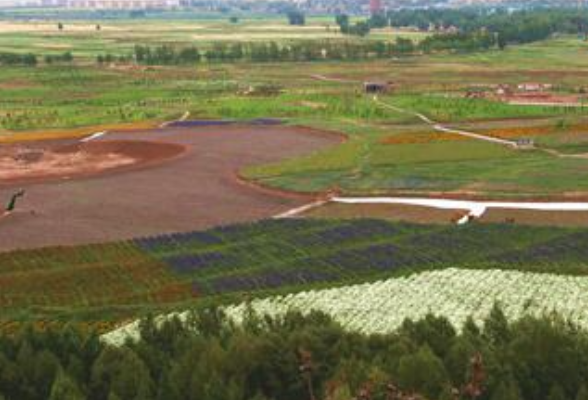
(194, 191)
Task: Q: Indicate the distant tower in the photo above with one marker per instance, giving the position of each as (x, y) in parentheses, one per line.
(375, 6)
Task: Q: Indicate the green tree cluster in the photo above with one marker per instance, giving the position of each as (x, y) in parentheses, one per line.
(296, 357)
(27, 59)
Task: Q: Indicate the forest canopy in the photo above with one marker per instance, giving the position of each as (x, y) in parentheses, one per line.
(301, 357)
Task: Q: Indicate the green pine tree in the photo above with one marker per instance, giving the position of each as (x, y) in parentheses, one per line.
(507, 390)
(582, 393)
(64, 388)
(422, 372)
(556, 393)
(496, 326)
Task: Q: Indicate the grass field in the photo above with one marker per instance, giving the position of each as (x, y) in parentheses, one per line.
(48, 101)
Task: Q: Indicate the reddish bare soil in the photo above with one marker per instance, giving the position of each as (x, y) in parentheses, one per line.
(197, 190)
(541, 98)
(24, 164)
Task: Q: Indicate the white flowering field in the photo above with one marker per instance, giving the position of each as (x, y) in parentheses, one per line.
(381, 307)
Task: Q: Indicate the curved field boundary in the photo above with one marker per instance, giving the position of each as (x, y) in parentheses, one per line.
(198, 190)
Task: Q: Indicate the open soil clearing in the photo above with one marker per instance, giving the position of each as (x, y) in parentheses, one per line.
(25, 164)
(194, 191)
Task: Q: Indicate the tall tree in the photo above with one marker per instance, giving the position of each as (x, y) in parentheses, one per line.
(65, 388)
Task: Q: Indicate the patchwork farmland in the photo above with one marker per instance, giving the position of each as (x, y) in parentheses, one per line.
(224, 205)
(113, 281)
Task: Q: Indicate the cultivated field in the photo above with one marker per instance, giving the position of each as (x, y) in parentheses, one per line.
(287, 212)
(319, 134)
(110, 282)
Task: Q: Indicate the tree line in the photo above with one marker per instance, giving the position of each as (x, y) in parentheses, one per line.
(303, 51)
(31, 59)
(301, 357)
(27, 59)
(522, 26)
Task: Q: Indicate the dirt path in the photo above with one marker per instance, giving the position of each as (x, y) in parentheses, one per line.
(195, 191)
(445, 129)
(468, 209)
(510, 143)
(435, 125)
(325, 78)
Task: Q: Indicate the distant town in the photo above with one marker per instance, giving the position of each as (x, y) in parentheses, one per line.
(276, 6)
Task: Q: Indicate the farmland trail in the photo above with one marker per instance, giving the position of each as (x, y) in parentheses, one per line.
(434, 124)
(325, 78)
(300, 210)
(475, 209)
(93, 136)
(511, 143)
(184, 117)
(445, 129)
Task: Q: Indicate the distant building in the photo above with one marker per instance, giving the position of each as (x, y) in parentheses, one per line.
(376, 87)
(376, 6)
(504, 90)
(534, 87)
(525, 143)
(476, 93)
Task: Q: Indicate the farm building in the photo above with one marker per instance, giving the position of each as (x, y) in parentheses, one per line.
(534, 87)
(504, 90)
(525, 143)
(476, 93)
(377, 87)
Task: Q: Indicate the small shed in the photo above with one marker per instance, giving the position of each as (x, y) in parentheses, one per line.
(534, 87)
(475, 93)
(504, 90)
(377, 87)
(525, 143)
